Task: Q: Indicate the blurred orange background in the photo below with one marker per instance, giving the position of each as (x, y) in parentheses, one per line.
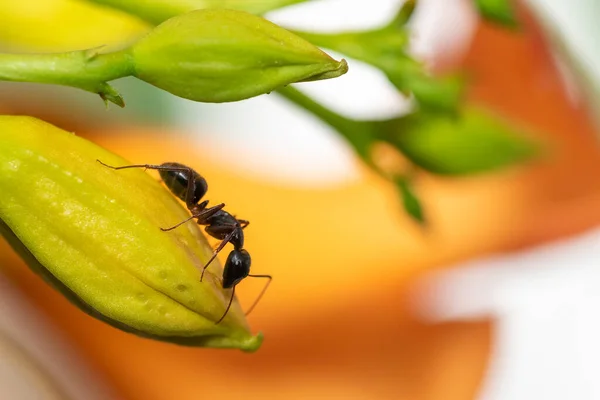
(337, 319)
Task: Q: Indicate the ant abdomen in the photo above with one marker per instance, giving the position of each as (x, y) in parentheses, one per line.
(177, 180)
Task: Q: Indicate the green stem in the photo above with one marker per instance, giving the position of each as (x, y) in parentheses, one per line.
(358, 133)
(156, 12)
(86, 69)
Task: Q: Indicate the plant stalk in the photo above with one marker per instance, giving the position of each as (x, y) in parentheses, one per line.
(88, 70)
(358, 133)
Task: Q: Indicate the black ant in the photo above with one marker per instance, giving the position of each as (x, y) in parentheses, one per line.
(190, 187)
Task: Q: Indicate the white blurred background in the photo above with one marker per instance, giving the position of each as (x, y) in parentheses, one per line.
(545, 299)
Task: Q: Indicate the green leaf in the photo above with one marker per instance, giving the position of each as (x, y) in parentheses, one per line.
(93, 233)
(499, 11)
(437, 94)
(406, 12)
(158, 11)
(410, 201)
(471, 142)
(386, 49)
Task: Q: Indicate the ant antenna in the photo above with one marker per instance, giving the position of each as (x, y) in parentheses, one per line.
(145, 166)
(228, 305)
(178, 225)
(270, 278)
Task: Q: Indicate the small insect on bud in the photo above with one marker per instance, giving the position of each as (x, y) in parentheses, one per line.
(225, 55)
(95, 236)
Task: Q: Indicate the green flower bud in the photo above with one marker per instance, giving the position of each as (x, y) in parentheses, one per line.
(225, 55)
(94, 234)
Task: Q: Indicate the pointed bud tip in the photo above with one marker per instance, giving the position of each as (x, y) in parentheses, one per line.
(338, 68)
(234, 340)
(253, 343)
(108, 93)
(343, 67)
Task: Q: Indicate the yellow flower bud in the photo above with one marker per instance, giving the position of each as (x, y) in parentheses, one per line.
(94, 234)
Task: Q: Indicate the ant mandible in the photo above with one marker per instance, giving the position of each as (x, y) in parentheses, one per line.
(189, 186)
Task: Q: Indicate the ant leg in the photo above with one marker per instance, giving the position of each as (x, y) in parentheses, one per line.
(178, 225)
(225, 240)
(228, 305)
(206, 213)
(189, 197)
(244, 223)
(270, 278)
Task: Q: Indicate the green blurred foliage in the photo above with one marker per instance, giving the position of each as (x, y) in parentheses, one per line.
(158, 11)
(499, 11)
(386, 49)
(473, 141)
(410, 200)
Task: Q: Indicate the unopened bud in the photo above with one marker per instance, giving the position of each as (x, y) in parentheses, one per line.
(225, 55)
(94, 235)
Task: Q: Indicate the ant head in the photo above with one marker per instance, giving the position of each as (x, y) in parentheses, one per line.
(237, 267)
